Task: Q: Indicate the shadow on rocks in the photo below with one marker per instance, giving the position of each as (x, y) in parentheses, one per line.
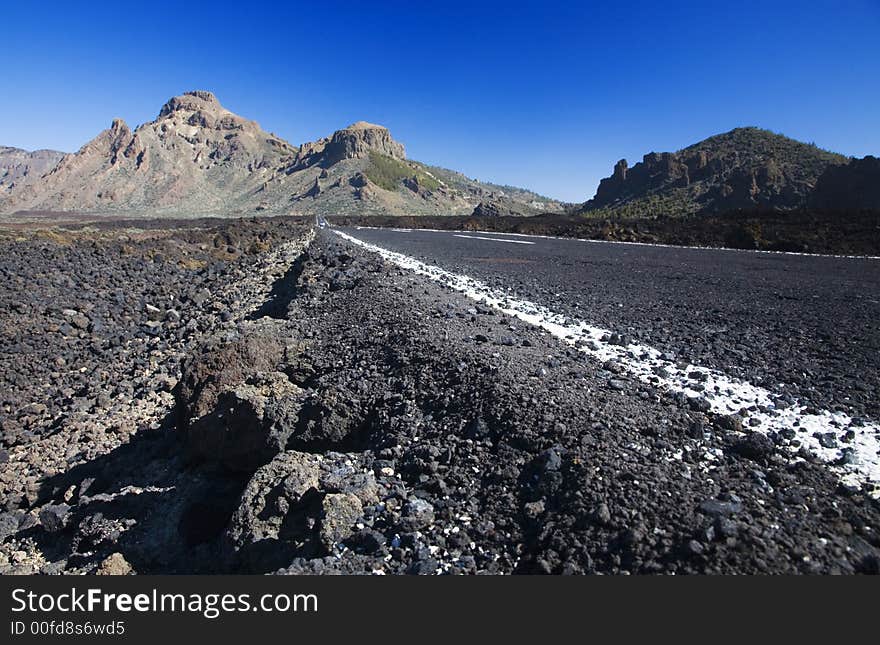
(141, 501)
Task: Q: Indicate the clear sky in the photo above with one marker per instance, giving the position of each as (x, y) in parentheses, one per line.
(546, 95)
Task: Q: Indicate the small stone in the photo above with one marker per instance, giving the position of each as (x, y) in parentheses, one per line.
(533, 510)
(114, 564)
(725, 527)
(827, 440)
(716, 507)
(425, 567)
(731, 422)
(54, 517)
(417, 514)
(341, 511)
(756, 446)
(699, 404)
(366, 541)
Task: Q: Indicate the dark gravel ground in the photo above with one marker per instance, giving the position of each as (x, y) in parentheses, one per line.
(93, 324)
(360, 419)
(808, 326)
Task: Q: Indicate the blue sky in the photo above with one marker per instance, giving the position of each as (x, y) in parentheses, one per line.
(546, 95)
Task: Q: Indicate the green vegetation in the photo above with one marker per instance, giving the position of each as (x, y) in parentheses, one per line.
(756, 144)
(389, 173)
(744, 168)
(675, 203)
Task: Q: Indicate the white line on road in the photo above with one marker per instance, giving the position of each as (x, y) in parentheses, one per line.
(648, 244)
(858, 462)
(492, 239)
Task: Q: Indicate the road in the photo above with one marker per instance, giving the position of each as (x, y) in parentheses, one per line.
(742, 330)
(807, 325)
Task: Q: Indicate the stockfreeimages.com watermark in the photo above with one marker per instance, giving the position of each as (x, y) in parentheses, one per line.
(207, 605)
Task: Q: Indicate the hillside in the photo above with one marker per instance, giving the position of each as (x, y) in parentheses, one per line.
(745, 168)
(854, 185)
(19, 167)
(198, 158)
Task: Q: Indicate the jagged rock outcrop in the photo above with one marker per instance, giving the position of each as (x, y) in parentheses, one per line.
(743, 168)
(354, 142)
(855, 185)
(315, 190)
(19, 167)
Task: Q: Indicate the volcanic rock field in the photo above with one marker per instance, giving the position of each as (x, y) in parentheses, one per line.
(260, 396)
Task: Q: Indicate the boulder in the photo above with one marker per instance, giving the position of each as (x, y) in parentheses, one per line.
(222, 362)
(250, 423)
(273, 491)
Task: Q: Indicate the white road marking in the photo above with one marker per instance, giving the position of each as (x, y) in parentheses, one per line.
(724, 394)
(492, 239)
(650, 244)
(396, 230)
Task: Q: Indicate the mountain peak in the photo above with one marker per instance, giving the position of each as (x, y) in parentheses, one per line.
(205, 95)
(118, 125)
(364, 125)
(192, 101)
(356, 141)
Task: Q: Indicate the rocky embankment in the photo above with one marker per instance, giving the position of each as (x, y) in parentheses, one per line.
(345, 416)
(93, 326)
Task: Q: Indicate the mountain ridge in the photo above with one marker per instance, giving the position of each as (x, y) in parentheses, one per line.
(746, 167)
(199, 158)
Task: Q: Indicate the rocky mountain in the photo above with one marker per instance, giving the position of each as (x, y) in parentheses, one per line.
(196, 156)
(744, 168)
(199, 158)
(853, 186)
(19, 167)
(356, 141)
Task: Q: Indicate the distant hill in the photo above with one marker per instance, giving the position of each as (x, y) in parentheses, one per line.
(745, 168)
(198, 158)
(19, 167)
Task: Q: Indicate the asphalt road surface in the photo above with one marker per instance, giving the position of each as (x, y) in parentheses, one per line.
(804, 326)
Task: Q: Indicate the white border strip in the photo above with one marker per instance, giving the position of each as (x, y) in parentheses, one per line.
(649, 244)
(490, 239)
(724, 394)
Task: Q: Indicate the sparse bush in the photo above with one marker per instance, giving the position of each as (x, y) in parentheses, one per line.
(388, 173)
